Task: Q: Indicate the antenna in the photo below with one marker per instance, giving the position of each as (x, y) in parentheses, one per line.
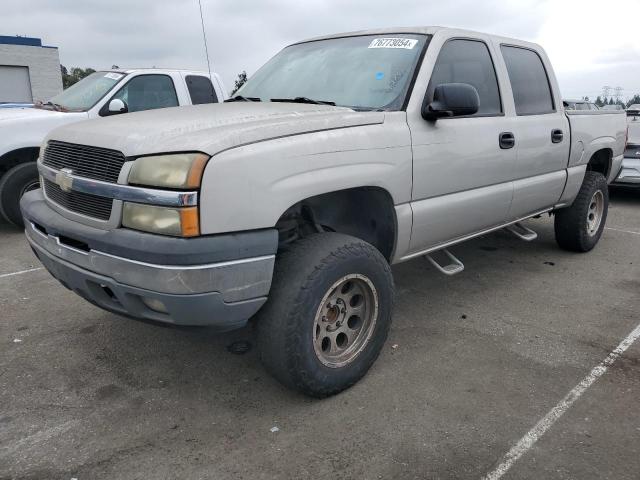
(204, 36)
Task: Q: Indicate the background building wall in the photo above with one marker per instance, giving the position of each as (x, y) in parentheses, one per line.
(43, 64)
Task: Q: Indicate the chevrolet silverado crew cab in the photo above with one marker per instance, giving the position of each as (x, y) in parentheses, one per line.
(288, 203)
(101, 94)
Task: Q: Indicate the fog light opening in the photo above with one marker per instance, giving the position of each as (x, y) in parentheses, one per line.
(110, 293)
(155, 305)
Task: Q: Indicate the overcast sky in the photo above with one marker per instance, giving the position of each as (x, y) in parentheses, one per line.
(591, 42)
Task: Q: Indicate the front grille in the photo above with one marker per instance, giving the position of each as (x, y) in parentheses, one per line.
(85, 161)
(632, 151)
(79, 202)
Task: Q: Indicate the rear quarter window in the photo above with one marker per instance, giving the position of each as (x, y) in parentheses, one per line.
(200, 90)
(529, 81)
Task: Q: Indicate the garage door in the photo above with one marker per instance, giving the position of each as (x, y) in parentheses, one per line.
(15, 85)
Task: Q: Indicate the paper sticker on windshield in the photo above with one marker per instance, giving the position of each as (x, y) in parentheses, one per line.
(407, 43)
(113, 76)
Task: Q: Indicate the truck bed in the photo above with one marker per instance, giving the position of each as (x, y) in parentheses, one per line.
(594, 130)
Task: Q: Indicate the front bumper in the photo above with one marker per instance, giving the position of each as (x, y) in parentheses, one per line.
(218, 281)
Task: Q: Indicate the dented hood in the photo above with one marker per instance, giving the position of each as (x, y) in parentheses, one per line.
(209, 128)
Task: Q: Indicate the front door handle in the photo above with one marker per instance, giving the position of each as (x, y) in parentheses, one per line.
(557, 136)
(507, 140)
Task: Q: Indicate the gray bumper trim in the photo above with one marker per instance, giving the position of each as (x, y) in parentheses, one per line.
(235, 280)
(205, 309)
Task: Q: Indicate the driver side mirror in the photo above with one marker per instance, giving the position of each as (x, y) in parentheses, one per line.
(117, 106)
(451, 100)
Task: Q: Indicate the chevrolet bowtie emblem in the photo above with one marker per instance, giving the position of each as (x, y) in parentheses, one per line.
(64, 179)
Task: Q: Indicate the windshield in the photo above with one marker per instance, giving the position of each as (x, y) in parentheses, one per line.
(365, 73)
(87, 92)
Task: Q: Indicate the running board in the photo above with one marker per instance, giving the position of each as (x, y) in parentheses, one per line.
(522, 232)
(456, 266)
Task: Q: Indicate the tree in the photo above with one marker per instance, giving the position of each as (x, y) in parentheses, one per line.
(76, 74)
(241, 80)
(635, 100)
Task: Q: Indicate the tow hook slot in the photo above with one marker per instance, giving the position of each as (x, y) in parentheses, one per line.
(74, 244)
(455, 265)
(522, 232)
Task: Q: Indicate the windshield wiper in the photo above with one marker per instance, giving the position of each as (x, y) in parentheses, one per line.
(55, 106)
(304, 100)
(240, 98)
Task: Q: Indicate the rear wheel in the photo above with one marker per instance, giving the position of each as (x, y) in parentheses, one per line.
(578, 228)
(16, 182)
(328, 313)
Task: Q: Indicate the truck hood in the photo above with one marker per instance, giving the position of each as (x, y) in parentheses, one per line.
(30, 114)
(27, 127)
(210, 128)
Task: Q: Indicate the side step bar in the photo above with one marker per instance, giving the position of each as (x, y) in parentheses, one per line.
(456, 266)
(522, 232)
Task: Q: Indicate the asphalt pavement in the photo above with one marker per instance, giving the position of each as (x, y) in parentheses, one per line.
(472, 364)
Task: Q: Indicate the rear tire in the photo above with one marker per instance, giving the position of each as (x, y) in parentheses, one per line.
(15, 183)
(328, 313)
(578, 228)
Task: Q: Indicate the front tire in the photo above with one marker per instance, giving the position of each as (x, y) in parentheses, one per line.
(578, 228)
(328, 313)
(16, 182)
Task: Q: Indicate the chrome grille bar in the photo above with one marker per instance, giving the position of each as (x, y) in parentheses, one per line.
(127, 193)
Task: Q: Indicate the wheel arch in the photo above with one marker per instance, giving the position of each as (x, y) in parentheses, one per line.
(600, 161)
(365, 212)
(17, 156)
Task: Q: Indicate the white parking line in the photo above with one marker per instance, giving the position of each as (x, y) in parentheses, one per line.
(623, 231)
(20, 272)
(556, 412)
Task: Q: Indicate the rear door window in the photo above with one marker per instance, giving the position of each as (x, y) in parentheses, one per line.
(468, 61)
(529, 81)
(201, 90)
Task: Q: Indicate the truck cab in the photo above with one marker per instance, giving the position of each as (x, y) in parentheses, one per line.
(101, 94)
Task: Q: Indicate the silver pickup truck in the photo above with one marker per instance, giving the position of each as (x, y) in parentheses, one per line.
(288, 203)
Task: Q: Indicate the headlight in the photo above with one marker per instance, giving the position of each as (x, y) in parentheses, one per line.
(179, 222)
(177, 170)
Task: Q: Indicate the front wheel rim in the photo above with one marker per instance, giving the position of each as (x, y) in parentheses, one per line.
(345, 320)
(595, 212)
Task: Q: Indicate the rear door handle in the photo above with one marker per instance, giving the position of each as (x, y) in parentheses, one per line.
(557, 136)
(507, 140)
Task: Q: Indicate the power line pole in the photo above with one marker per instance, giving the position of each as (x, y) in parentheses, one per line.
(605, 91)
(618, 93)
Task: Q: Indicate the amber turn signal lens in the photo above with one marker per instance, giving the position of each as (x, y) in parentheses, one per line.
(189, 222)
